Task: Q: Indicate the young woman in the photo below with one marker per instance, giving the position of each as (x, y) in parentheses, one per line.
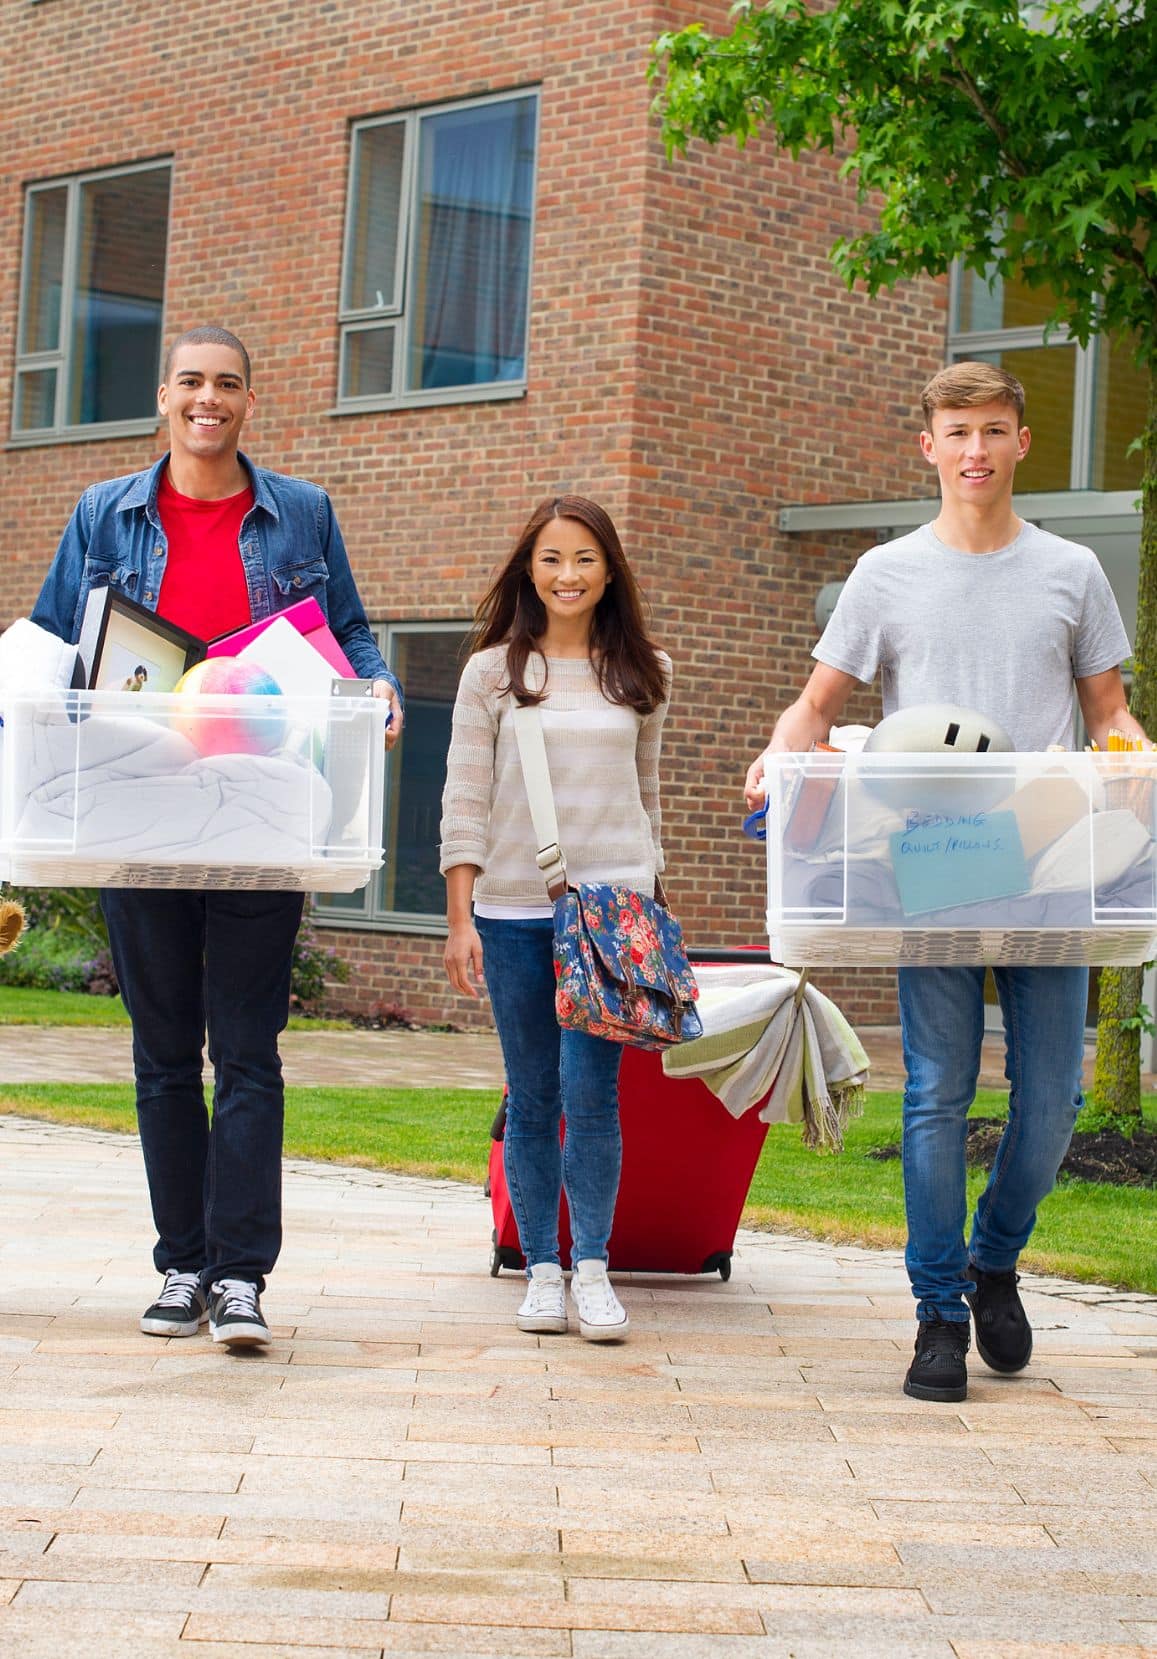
(561, 627)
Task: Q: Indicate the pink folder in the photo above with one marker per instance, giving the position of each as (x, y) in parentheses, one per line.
(306, 616)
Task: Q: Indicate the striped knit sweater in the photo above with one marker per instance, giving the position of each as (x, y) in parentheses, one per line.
(604, 768)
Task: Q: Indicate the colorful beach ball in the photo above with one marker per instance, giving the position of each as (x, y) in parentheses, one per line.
(214, 730)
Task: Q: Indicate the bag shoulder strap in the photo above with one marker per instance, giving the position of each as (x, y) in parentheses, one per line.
(540, 796)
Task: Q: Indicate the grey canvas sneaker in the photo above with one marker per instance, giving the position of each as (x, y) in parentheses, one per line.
(180, 1309)
(235, 1314)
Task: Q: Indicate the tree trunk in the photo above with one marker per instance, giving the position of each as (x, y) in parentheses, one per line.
(1117, 1075)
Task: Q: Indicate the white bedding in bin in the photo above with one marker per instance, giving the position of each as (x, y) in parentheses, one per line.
(137, 789)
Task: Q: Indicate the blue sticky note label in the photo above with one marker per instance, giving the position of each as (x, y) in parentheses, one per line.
(942, 860)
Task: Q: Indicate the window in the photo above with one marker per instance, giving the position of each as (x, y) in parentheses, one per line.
(408, 892)
(91, 297)
(1084, 406)
(436, 272)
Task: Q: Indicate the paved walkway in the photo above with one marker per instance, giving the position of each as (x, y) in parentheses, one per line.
(404, 1474)
(410, 1059)
(355, 1059)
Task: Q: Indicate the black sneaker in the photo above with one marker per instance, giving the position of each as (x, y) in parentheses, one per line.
(938, 1371)
(235, 1314)
(1003, 1333)
(179, 1310)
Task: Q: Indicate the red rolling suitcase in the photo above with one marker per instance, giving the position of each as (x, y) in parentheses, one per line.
(687, 1168)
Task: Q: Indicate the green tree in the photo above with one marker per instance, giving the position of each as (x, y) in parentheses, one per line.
(1016, 138)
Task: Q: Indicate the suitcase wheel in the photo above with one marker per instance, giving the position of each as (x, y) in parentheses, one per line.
(503, 1255)
(719, 1263)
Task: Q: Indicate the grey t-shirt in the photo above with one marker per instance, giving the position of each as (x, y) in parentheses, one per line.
(1005, 633)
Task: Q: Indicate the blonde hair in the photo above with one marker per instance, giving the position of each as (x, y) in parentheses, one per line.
(969, 384)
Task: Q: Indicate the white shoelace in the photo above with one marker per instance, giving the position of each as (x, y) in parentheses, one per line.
(240, 1299)
(544, 1296)
(597, 1300)
(177, 1288)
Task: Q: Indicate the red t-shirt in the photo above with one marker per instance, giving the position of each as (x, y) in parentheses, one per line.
(203, 589)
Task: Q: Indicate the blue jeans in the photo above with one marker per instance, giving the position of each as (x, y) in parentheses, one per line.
(551, 1073)
(186, 960)
(942, 1021)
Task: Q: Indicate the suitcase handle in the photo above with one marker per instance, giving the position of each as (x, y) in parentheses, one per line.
(715, 958)
(744, 954)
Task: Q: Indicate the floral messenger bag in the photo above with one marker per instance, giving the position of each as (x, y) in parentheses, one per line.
(620, 967)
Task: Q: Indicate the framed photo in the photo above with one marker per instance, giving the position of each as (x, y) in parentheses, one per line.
(125, 647)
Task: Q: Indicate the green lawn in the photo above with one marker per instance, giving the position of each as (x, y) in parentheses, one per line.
(414, 1131)
(1086, 1231)
(19, 1006)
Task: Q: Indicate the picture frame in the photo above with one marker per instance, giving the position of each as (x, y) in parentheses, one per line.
(124, 646)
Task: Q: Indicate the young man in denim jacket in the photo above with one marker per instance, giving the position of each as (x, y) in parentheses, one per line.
(211, 542)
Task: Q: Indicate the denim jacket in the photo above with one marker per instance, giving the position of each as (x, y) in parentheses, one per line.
(290, 546)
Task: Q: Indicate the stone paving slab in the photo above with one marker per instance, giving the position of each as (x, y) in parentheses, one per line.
(342, 1059)
(384, 1059)
(403, 1473)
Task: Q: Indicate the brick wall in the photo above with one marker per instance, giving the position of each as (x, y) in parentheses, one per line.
(762, 382)
(694, 363)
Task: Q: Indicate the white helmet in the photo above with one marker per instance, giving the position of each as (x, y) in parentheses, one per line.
(935, 728)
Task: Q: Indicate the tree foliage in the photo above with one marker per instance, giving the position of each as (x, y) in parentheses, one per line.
(1019, 139)
(1016, 138)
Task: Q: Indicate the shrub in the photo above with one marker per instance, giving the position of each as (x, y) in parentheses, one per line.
(392, 1015)
(72, 911)
(65, 944)
(46, 960)
(102, 976)
(65, 948)
(313, 964)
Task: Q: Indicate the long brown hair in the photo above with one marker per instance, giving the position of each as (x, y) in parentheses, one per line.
(625, 657)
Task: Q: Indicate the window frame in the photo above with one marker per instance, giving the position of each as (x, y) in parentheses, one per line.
(360, 319)
(965, 343)
(371, 919)
(60, 359)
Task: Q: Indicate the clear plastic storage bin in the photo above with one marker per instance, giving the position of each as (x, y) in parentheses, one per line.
(115, 789)
(926, 859)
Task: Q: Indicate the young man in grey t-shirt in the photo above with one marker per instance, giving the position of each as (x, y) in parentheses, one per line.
(987, 612)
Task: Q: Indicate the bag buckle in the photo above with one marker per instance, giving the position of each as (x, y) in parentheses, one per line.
(552, 863)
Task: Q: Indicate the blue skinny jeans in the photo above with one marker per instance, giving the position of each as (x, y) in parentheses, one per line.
(551, 1074)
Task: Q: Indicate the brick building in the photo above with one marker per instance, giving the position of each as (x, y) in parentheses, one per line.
(468, 277)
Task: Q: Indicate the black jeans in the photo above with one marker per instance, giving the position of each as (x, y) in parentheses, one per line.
(187, 961)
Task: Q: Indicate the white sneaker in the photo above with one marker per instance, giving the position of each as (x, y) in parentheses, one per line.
(602, 1317)
(544, 1308)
